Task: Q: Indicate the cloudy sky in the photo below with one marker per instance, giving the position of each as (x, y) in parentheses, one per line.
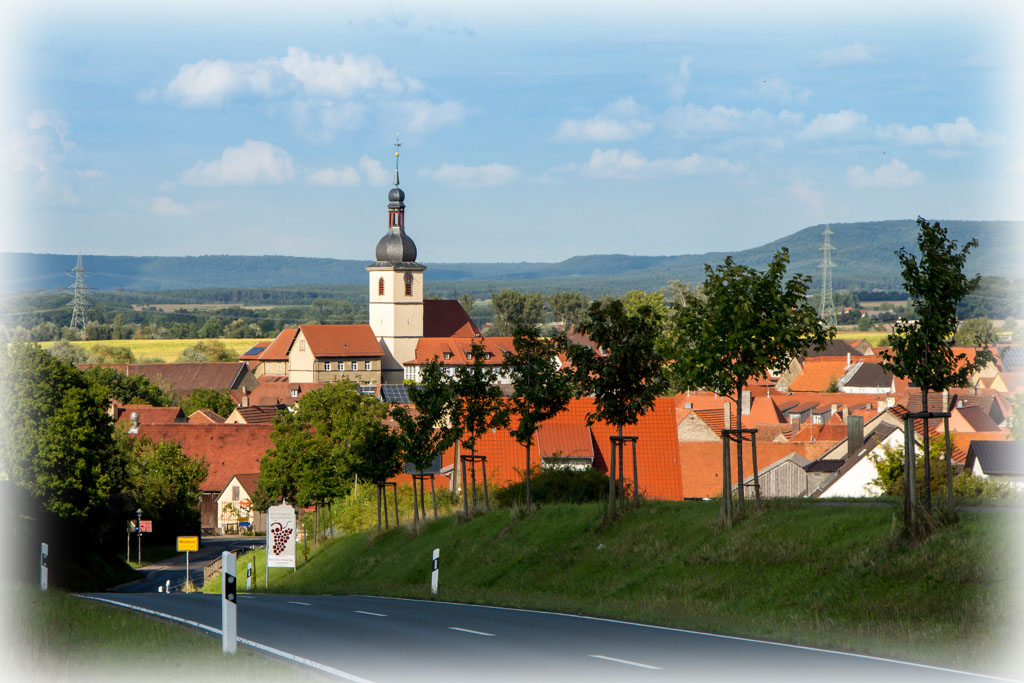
(534, 134)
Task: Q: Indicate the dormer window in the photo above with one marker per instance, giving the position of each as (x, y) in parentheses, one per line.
(487, 356)
(469, 356)
(295, 393)
(447, 355)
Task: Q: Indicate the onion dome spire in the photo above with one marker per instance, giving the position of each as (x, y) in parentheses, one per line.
(396, 246)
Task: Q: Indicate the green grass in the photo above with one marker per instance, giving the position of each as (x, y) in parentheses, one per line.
(63, 637)
(827, 576)
(150, 553)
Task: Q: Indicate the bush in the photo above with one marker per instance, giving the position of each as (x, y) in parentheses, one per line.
(556, 486)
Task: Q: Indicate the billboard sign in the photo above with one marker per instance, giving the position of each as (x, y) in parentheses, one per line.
(281, 536)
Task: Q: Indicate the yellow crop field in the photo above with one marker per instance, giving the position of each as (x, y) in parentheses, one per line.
(873, 338)
(166, 350)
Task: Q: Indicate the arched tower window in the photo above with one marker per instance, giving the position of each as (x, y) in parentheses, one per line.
(380, 287)
(408, 284)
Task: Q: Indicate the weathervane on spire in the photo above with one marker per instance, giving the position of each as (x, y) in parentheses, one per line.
(398, 143)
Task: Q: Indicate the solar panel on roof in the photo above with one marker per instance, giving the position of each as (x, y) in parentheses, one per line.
(394, 393)
(368, 390)
(259, 348)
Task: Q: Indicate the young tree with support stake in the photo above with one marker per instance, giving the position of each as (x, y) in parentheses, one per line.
(431, 429)
(378, 457)
(480, 407)
(542, 389)
(744, 323)
(922, 350)
(624, 374)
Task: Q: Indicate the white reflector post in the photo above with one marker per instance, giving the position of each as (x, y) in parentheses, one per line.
(248, 577)
(228, 603)
(433, 572)
(44, 552)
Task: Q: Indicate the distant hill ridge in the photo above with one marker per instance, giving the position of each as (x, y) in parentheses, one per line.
(864, 258)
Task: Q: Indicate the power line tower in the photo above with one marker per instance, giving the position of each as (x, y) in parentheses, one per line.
(78, 301)
(827, 307)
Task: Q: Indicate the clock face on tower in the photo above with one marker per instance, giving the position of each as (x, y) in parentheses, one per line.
(408, 278)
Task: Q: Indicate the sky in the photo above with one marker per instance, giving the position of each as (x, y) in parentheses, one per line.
(536, 131)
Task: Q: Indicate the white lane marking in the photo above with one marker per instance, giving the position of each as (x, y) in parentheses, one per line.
(296, 602)
(247, 597)
(626, 661)
(469, 630)
(700, 633)
(330, 670)
(372, 614)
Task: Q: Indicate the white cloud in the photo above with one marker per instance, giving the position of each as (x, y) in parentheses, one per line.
(893, 175)
(472, 176)
(336, 77)
(679, 83)
(617, 163)
(846, 55)
(209, 82)
(89, 173)
(608, 126)
(838, 123)
(694, 119)
(782, 91)
(373, 171)
(165, 206)
(254, 163)
(960, 132)
(422, 116)
(803, 191)
(334, 177)
(319, 120)
(40, 155)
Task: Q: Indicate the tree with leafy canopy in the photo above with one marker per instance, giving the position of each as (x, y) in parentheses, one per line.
(467, 301)
(921, 350)
(109, 354)
(511, 307)
(126, 389)
(431, 428)
(208, 399)
(624, 373)
(745, 323)
(542, 388)
(568, 307)
(975, 332)
(312, 460)
(480, 406)
(377, 457)
(207, 351)
(72, 354)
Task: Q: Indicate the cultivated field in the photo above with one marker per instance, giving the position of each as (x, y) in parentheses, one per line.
(165, 350)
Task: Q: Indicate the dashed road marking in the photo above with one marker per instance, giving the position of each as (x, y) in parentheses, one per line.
(626, 661)
(469, 630)
(372, 614)
(296, 602)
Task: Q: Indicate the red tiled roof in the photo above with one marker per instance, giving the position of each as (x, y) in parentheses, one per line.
(184, 378)
(278, 349)
(822, 432)
(974, 419)
(333, 341)
(249, 482)
(205, 416)
(272, 391)
(702, 462)
(453, 351)
(228, 449)
(818, 373)
(150, 414)
(962, 440)
(262, 414)
(447, 318)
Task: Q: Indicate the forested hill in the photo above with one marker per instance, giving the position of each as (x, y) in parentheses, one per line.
(863, 259)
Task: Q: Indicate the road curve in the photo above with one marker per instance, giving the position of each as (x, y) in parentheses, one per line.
(382, 640)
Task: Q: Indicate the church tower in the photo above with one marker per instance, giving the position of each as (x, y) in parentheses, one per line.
(396, 290)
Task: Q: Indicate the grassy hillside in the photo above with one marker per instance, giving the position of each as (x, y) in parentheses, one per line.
(828, 576)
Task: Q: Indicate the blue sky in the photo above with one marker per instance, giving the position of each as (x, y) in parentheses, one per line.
(534, 134)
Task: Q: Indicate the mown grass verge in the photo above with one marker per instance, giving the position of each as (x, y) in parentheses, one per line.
(835, 577)
(60, 637)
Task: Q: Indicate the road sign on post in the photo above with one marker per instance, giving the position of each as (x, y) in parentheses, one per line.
(187, 544)
(147, 526)
(281, 536)
(433, 572)
(44, 571)
(228, 603)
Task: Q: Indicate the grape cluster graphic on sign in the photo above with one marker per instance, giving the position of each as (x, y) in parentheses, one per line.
(280, 537)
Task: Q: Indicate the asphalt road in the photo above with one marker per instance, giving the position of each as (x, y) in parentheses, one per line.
(389, 639)
(173, 568)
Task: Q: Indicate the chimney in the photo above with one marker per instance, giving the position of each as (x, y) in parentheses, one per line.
(846, 414)
(745, 402)
(945, 400)
(134, 429)
(854, 435)
(880, 405)
(847, 359)
(834, 410)
(890, 402)
(245, 397)
(727, 414)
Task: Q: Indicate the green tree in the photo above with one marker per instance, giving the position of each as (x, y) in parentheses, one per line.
(922, 349)
(512, 307)
(636, 299)
(212, 328)
(431, 429)
(377, 458)
(208, 399)
(542, 388)
(746, 322)
(72, 354)
(975, 332)
(480, 407)
(624, 375)
(113, 355)
(467, 301)
(568, 307)
(209, 350)
(126, 389)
